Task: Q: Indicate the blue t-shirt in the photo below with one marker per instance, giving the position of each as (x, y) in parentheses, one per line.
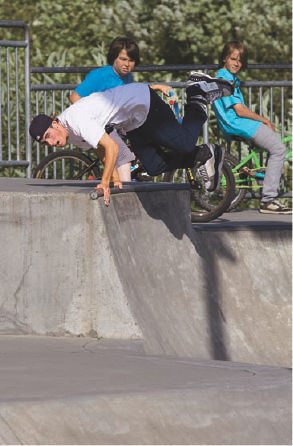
(102, 79)
(229, 123)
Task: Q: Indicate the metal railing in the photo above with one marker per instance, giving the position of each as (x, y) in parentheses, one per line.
(20, 101)
(15, 112)
(51, 98)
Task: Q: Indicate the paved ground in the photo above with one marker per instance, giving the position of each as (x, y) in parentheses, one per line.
(248, 219)
(85, 391)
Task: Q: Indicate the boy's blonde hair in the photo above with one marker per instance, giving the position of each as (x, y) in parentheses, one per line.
(229, 48)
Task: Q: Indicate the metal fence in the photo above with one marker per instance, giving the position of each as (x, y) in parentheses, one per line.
(20, 100)
(15, 142)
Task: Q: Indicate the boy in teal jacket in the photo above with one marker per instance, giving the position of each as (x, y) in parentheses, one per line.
(235, 119)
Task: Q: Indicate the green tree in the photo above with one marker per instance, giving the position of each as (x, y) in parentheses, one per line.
(167, 31)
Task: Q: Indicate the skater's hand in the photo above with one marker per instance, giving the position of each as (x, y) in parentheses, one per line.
(111, 152)
(106, 190)
(163, 88)
(118, 184)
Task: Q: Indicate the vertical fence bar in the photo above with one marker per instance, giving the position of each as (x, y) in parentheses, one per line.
(54, 148)
(8, 104)
(17, 105)
(260, 112)
(1, 150)
(205, 129)
(282, 112)
(260, 101)
(63, 160)
(54, 108)
(182, 100)
(45, 111)
(249, 97)
(282, 134)
(218, 137)
(37, 112)
(271, 104)
(249, 106)
(27, 100)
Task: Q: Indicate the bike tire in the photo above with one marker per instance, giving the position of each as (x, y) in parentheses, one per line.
(66, 165)
(219, 200)
(240, 193)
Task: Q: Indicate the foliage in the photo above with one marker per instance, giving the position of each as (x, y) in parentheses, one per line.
(167, 31)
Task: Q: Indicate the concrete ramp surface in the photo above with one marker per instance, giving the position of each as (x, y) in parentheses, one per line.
(138, 270)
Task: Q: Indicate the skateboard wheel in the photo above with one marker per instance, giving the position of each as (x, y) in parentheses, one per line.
(94, 195)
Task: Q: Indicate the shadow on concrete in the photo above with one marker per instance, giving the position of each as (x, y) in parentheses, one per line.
(213, 295)
(214, 249)
(178, 223)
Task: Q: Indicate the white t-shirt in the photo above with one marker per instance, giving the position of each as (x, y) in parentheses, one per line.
(127, 107)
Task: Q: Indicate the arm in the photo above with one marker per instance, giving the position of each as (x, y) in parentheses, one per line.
(111, 152)
(74, 97)
(244, 112)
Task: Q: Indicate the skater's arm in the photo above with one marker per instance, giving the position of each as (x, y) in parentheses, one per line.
(111, 152)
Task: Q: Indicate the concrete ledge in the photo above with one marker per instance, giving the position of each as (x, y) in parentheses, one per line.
(138, 270)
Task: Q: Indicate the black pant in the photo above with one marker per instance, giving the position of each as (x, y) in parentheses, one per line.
(161, 129)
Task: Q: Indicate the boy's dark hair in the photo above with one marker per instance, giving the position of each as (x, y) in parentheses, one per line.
(229, 48)
(123, 43)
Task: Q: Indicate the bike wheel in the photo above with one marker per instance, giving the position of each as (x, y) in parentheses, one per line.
(206, 206)
(239, 192)
(67, 165)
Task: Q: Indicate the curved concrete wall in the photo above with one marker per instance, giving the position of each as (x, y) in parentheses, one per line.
(138, 270)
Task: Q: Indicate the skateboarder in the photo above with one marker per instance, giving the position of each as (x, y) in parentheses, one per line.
(150, 125)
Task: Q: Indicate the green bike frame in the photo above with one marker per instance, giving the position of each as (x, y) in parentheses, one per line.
(249, 181)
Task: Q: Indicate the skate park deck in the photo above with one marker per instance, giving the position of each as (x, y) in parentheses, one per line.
(129, 325)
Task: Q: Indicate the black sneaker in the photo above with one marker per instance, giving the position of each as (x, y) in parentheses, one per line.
(144, 177)
(274, 207)
(138, 172)
(211, 170)
(200, 85)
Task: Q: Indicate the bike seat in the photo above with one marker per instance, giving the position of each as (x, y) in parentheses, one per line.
(241, 139)
(238, 138)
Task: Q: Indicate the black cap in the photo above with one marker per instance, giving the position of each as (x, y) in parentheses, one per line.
(39, 125)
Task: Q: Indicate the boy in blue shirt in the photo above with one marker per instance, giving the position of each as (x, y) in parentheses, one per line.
(122, 57)
(235, 119)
